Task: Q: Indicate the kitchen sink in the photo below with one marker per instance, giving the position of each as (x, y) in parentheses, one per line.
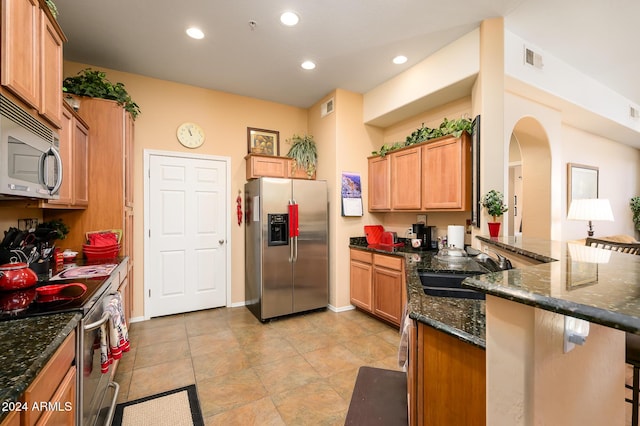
(447, 285)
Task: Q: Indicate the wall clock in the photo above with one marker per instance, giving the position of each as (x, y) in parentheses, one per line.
(190, 135)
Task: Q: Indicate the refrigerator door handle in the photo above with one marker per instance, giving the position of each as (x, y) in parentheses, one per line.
(291, 258)
(295, 250)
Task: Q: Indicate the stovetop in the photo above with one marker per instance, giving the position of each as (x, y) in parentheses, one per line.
(27, 302)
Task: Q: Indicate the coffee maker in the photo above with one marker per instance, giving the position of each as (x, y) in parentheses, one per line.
(423, 233)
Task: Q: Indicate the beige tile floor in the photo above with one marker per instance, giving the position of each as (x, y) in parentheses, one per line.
(298, 370)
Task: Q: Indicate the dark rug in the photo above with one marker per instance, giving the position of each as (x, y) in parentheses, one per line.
(177, 407)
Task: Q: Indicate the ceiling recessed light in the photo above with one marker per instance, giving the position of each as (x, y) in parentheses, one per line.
(289, 19)
(196, 33)
(399, 60)
(308, 65)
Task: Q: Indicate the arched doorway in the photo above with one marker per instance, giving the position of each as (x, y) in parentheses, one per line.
(529, 180)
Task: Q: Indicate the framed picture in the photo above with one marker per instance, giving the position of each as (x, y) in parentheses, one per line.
(582, 182)
(262, 141)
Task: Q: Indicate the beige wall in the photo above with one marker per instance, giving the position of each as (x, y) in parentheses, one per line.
(225, 118)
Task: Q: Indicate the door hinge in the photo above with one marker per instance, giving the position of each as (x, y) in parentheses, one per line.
(149, 292)
(149, 232)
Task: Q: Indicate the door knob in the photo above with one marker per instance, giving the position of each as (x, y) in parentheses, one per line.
(221, 242)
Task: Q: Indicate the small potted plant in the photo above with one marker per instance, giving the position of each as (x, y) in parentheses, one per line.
(94, 84)
(493, 201)
(304, 154)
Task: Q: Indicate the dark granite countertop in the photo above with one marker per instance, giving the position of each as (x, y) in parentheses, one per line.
(463, 318)
(25, 347)
(599, 286)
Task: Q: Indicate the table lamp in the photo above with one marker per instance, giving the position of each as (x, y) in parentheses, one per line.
(590, 209)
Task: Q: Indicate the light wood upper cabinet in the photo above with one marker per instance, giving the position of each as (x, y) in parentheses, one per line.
(431, 176)
(32, 57)
(446, 183)
(74, 150)
(406, 173)
(20, 49)
(50, 71)
(379, 183)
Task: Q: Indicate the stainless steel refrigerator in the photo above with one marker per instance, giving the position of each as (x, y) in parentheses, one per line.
(286, 246)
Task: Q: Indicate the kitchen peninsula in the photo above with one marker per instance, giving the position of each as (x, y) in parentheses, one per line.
(530, 378)
(520, 331)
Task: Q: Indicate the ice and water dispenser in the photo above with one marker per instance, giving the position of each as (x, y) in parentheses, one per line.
(278, 232)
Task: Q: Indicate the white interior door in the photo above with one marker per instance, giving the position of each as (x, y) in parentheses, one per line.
(186, 253)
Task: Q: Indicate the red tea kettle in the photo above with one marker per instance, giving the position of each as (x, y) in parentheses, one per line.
(16, 276)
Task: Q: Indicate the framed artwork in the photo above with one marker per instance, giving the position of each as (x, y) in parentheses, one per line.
(582, 182)
(263, 141)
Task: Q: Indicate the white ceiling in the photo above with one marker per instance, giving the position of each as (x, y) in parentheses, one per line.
(351, 41)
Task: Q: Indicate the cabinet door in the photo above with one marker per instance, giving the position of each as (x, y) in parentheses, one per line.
(20, 49)
(65, 399)
(361, 289)
(66, 153)
(451, 380)
(50, 72)
(446, 181)
(80, 164)
(267, 166)
(379, 183)
(128, 161)
(387, 293)
(406, 173)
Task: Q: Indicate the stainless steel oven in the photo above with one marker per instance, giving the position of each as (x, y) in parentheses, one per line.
(96, 392)
(98, 405)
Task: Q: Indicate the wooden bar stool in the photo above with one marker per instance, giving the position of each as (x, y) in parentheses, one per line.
(632, 357)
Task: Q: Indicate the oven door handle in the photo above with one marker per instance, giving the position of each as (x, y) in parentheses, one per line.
(112, 407)
(105, 317)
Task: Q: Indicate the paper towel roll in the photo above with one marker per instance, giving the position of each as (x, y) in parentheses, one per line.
(455, 236)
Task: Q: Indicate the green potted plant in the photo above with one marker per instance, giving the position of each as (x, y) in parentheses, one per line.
(455, 127)
(635, 209)
(304, 154)
(94, 83)
(493, 201)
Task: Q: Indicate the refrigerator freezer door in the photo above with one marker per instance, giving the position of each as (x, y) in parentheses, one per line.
(277, 279)
(311, 269)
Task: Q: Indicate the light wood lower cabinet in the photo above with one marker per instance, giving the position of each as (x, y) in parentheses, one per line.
(377, 284)
(51, 397)
(446, 379)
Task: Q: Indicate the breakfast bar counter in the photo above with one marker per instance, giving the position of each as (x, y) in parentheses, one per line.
(599, 286)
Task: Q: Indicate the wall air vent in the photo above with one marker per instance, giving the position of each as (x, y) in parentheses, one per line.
(532, 58)
(326, 108)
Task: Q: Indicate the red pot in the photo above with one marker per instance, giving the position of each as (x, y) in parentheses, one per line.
(494, 229)
(16, 276)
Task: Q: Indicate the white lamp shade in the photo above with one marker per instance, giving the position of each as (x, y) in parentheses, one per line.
(590, 209)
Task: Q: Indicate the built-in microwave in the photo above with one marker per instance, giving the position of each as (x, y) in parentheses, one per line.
(30, 163)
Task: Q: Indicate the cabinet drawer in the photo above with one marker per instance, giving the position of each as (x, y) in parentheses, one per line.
(49, 379)
(361, 256)
(390, 262)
